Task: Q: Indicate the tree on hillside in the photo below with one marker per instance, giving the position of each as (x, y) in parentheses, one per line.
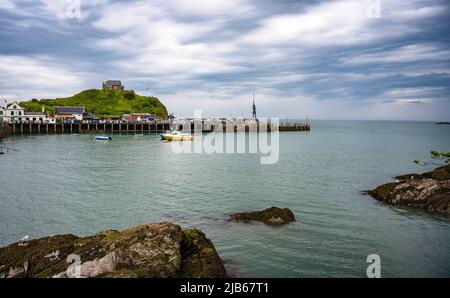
(129, 94)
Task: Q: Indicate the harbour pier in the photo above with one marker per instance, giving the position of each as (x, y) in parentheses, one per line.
(57, 128)
(153, 127)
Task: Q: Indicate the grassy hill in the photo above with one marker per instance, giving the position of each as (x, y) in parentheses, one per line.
(103, 103)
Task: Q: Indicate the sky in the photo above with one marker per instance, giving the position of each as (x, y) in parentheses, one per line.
(343, 59)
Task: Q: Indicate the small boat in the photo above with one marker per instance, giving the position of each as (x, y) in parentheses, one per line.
(102, 138)
(176, 136)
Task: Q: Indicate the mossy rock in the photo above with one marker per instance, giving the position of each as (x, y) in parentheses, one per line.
(38, 258)
(429, 191)
(154, 250)
(199, 258)
(441, 173)
(382, 191)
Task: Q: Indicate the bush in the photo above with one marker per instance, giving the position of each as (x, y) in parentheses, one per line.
(436, 155)
(129, 94)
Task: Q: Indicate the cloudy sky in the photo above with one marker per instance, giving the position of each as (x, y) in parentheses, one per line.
(349, 59)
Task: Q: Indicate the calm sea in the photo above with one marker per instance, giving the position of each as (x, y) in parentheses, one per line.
(71, 184)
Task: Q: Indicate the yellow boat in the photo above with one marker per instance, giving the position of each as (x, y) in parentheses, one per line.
(176, 136)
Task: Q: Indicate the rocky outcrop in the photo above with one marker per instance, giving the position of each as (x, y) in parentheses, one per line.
(156, 250)
(270, 216)
(429, 191)
(440, 174)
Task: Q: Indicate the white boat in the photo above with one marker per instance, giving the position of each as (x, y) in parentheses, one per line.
(176, 136)
(102, 138)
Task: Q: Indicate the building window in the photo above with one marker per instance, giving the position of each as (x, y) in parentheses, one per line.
(12, 113)
(20, 113)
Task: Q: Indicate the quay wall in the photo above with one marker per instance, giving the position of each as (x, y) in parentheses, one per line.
(36, 128)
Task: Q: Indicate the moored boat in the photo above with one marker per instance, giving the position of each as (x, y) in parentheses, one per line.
(103, 138)
(176, 136)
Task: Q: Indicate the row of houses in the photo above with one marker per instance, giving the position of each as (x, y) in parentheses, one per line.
(14, 113)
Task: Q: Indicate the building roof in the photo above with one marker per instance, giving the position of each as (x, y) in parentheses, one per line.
(112, 83)
(34, 113)
(70, 110)
(15, 102)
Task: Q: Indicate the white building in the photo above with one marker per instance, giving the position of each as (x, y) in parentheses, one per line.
(12, 113)
(34, 117)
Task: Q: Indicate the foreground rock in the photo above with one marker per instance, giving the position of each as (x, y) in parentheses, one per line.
(154, 250)
(429, 191)
(270, 216)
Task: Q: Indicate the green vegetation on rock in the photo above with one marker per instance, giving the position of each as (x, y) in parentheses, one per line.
(192, 234)
(103, 103)
(436, 155)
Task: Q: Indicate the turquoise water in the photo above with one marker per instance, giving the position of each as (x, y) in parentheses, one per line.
(71, 184)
